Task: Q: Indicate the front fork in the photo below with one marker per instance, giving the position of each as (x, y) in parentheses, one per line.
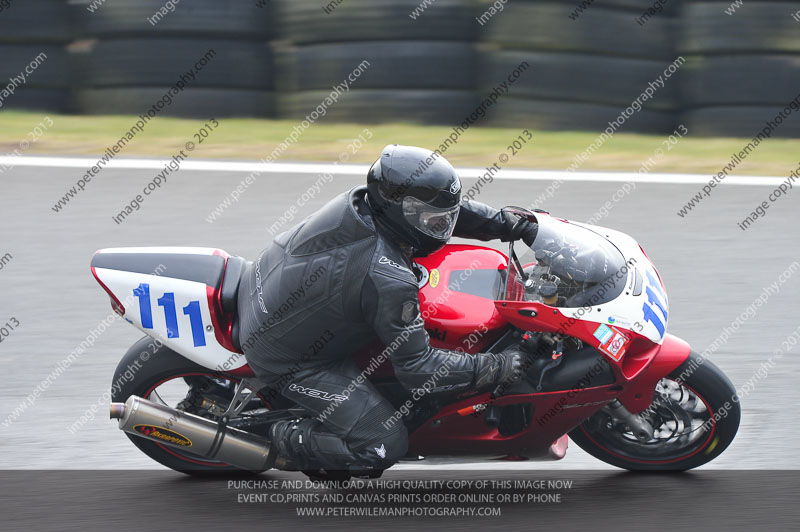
(640, 427)
(668, 356)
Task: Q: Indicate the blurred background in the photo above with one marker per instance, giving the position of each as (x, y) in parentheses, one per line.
(430, 61)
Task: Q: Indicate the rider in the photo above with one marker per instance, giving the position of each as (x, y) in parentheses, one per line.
(326, 288)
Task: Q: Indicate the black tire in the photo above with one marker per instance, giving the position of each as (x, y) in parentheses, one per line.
(390, 65)
(537, 26)
(556, 115)
(160, 62)
(637, 7)
(717, 393)
(42, 21)
(48, 64)
(190, 103)
(195, 18)
(368, 20)
(157, 365)
(335, 478)
(757, 28)
(579, 77)
(30, 99)
(738, 121)
(376, 105)
(741, 80)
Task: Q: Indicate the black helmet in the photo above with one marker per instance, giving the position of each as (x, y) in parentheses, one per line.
(415, 195)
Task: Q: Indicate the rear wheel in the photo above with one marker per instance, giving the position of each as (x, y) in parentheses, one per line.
(165, 377)
(695, 419)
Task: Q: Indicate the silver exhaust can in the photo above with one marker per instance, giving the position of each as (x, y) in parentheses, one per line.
(193, 434)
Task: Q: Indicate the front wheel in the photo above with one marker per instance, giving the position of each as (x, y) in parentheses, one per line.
(694, 417)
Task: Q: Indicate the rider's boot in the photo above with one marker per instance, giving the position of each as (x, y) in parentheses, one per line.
(306, 445)
(285, 439)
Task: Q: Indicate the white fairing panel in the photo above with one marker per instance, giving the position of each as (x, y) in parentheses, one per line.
(643, 309)
(173, 310)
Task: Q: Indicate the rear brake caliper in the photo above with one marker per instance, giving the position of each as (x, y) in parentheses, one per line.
(205, 398)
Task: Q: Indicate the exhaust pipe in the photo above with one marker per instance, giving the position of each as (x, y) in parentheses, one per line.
(193, 434)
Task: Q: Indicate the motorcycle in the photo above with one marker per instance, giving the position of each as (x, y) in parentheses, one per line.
(585, 302)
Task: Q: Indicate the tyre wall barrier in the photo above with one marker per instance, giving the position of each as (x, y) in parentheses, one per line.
(586, 60)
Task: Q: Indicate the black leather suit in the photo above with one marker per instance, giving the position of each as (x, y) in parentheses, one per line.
(324, 290)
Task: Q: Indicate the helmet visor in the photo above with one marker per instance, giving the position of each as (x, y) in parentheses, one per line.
(438, 222)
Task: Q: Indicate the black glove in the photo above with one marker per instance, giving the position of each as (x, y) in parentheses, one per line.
(499, 370)
(522, 229)
(527, 231)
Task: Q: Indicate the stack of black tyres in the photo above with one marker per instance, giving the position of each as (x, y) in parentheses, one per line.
(419, 70)
(131, 63)
(584, 68)
(742, 69)
(33, 36)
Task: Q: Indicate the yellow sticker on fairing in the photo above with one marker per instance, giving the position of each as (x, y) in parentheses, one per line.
(434, 278)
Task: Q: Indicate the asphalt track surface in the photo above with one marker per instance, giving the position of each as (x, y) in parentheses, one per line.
(593, 500)
(712, 270)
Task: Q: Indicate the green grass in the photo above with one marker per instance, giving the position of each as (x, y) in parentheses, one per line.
(251, 139)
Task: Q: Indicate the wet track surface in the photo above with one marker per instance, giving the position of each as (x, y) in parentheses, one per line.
(713, 271)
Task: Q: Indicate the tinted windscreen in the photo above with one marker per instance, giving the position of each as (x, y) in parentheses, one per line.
(568, 266)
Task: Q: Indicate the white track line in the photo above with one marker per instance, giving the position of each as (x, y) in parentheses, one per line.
(359, 169)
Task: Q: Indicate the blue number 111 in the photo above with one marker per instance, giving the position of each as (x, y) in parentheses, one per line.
(167, 301)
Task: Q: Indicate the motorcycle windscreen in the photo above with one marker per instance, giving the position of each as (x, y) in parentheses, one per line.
(567, 266)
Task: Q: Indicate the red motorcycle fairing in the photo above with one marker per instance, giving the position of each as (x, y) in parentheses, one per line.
(458, 294)
(460, 427)
(638, 369)
(459, 286)
(457, 302)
